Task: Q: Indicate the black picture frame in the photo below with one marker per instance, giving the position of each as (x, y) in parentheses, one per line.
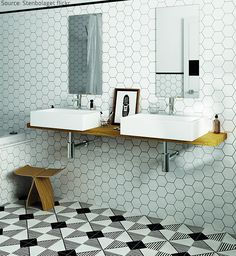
(128, 108)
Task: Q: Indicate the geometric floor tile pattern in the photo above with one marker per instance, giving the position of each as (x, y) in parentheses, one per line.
(80, 229)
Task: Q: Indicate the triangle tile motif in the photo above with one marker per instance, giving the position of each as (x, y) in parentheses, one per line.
(79, 229)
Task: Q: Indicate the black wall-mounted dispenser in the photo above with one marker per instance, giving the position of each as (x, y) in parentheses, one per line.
(193, 67)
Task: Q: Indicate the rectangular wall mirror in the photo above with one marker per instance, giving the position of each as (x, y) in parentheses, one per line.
(177, 51)
(85, 54)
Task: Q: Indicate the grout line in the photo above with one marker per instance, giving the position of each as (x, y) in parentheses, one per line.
(60, 228)
(27, 226)
(101, 246)
(93, 230)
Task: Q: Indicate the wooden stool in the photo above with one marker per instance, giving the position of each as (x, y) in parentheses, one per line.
(41, 187)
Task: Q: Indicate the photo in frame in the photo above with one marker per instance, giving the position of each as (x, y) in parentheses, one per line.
(126, 102)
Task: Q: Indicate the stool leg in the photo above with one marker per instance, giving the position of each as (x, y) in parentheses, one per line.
(45, 191)
(33, 195)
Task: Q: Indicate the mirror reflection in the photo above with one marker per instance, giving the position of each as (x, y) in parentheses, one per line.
(85, 54)
(177, 51)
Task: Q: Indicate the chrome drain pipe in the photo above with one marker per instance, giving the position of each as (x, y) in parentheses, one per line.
(167, 157)
(83, 143)
(71, 145)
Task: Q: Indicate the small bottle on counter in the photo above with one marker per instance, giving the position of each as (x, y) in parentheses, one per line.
(216, 125)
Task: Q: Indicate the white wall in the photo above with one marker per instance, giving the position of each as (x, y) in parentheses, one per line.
(126, 174)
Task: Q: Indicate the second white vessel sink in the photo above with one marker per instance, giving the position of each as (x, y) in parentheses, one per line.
(170, 127)
(68, 119)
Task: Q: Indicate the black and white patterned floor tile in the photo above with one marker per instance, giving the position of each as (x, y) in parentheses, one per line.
(80, 229)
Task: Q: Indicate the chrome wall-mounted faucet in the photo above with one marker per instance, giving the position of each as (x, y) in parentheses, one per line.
(78, 101)
(171, 105)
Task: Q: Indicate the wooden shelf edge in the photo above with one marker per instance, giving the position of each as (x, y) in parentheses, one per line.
(210, 139)
(106, 131)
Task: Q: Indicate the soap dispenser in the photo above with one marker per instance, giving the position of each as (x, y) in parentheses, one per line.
(91, 105)
(216, 125)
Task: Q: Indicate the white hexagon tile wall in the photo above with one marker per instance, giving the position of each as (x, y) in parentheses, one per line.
(124, 174)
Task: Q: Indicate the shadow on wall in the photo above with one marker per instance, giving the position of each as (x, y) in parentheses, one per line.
(22, 185)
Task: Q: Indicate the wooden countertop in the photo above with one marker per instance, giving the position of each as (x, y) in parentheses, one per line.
(210, 139)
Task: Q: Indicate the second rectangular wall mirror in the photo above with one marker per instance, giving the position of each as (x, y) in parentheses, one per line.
(177, 51)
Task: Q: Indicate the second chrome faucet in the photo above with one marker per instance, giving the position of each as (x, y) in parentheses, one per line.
(171, 105)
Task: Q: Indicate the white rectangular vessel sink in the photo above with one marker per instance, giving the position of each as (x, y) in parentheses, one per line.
(171, 127)
(68, 119)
